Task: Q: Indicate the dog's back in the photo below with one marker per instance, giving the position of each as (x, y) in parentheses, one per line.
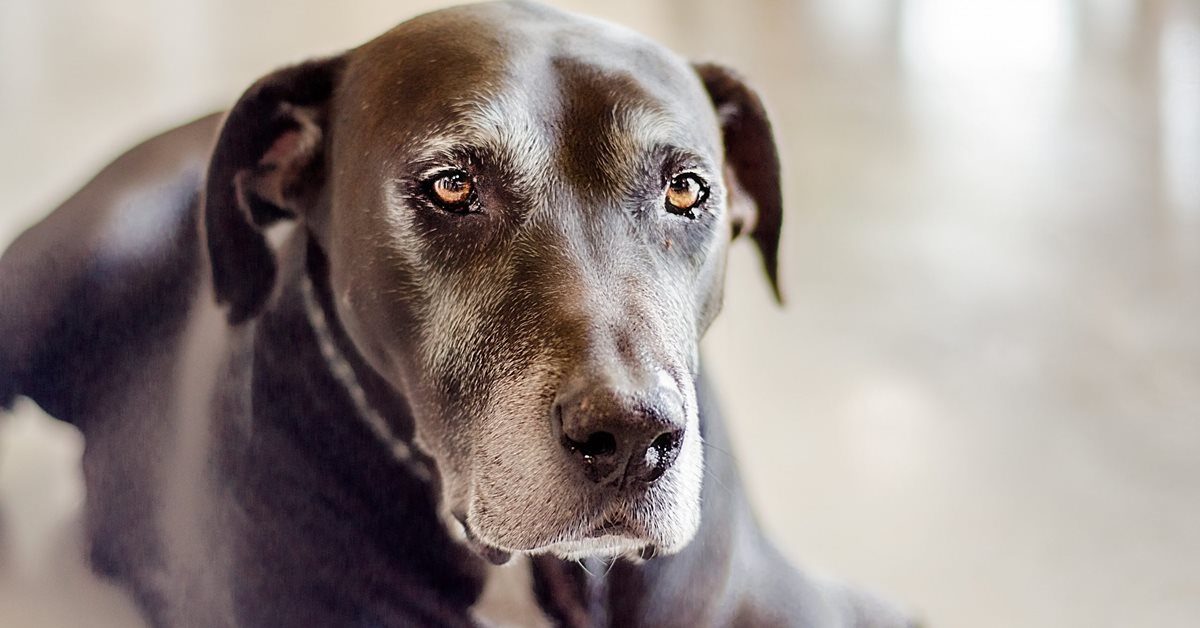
(95, 297)
(102, 276)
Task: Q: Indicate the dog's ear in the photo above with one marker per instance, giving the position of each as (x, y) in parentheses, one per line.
(268, 164)
(751, 163)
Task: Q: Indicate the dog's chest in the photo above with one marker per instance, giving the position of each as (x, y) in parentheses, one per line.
(508, 600)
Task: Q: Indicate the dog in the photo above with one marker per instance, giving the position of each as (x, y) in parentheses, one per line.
(410, 313)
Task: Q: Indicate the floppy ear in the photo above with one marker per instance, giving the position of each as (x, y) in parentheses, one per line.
(268, 164)
(751, 163)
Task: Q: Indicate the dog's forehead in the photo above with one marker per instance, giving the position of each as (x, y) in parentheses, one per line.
(520, 76)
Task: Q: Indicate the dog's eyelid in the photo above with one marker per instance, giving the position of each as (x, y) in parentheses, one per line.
(696, 173)
(443, 153)
(676, 160)
(435, 172)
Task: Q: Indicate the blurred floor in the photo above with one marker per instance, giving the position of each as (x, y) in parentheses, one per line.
(983, 396)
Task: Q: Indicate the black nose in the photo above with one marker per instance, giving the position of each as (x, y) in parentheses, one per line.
(620, 435)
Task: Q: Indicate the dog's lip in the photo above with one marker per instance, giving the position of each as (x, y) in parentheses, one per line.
(613, 526)
(493, 555)
(490, 553)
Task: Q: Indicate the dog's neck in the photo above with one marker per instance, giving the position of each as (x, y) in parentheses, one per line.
(300, 343)
(349, 373)
(327, 458)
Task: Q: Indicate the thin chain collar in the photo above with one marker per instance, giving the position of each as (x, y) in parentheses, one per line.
(344, 373)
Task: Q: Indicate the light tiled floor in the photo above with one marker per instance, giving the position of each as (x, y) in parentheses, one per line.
(984, 394)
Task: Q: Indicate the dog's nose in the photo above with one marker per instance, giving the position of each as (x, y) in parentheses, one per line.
(616, 435)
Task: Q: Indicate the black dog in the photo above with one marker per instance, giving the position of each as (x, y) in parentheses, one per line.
(460, 275)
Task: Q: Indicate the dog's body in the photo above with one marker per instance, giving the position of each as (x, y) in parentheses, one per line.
(258, 460)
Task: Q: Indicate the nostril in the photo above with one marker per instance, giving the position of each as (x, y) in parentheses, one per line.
(665, 442)
(659, 456)
(595, 454)
(598, 444)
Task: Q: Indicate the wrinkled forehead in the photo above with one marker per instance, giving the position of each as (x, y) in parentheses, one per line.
(529, 86)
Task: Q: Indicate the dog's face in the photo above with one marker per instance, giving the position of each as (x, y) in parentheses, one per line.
(525, 216)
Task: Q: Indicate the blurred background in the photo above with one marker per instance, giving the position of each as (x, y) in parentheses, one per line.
(983, 396)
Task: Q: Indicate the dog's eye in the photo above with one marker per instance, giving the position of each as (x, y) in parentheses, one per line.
(685, 193)
(453, 190)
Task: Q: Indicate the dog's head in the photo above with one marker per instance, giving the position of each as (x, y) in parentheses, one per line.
(525, 216)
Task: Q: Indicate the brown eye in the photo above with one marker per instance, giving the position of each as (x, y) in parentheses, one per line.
(453, 190)
(685, 193)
